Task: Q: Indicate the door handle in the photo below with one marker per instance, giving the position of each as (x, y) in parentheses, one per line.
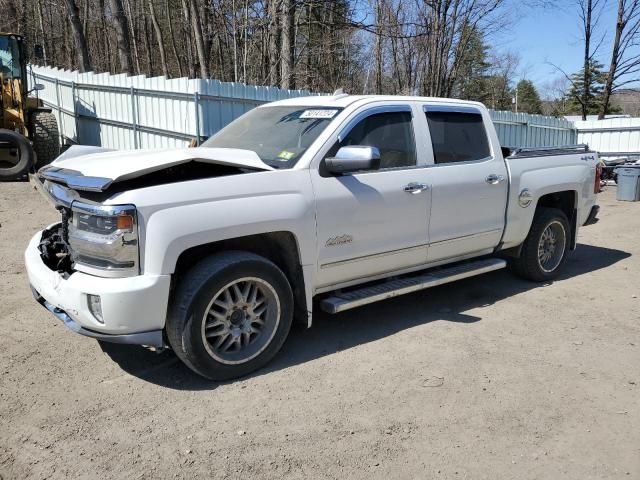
(494, 179)
(415, 187)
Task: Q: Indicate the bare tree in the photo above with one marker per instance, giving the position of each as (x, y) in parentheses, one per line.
(122, 35)
(82, 52)
(625, 57)
(589, 12)
(197, 31)
(287, 44)
(273, 8)
(159, 39)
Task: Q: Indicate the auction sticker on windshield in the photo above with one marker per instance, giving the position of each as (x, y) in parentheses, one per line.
(324, 113)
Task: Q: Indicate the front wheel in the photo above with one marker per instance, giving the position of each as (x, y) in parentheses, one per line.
(230, 315)
(545, 248)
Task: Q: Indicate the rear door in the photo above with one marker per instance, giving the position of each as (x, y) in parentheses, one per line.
(469, 183)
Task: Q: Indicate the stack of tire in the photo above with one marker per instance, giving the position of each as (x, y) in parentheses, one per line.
(45, 148)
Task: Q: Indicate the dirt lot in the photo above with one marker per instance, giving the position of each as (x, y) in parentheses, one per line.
(492, 377)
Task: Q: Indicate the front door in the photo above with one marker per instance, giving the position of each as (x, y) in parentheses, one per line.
(367, 223)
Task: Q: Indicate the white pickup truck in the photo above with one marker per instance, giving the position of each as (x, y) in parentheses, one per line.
(214, 251)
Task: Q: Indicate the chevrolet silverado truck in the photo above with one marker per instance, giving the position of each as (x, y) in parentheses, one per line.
(340, 200)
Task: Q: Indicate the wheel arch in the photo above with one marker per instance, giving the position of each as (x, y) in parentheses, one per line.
(281, 247)
(567, 202)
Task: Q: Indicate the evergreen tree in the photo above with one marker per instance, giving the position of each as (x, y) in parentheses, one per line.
(594, 90)
(528, 98)
(474, 66)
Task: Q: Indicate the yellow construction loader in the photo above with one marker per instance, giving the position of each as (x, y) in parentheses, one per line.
(29, 135)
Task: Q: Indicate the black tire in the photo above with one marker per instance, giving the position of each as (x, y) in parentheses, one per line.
(187, 322)
(45, 137)
(529, 264)
(10, 171)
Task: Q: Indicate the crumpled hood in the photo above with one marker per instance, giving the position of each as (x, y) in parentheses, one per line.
(100, 167)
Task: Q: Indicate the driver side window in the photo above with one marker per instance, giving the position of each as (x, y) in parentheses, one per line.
(390, 132)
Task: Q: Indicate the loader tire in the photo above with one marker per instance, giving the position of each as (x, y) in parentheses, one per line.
(10, 170)
(45, 136)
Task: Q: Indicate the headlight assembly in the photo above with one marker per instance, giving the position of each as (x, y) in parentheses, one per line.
(104, 239)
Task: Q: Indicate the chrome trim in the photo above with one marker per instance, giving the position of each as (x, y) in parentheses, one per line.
(401, 286)
(494, 179)
(408, 249)
(525, 198)
(54, 193)
(466, 237)
(401, 271)
(375, 255)
(153, 338)
(74, 179)
(451, 109)
(414, 188)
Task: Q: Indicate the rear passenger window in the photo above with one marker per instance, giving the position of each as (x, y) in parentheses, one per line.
(391, 133)
(457, 136)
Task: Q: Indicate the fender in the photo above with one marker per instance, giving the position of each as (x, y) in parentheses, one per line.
(519, 219)
(177, 217)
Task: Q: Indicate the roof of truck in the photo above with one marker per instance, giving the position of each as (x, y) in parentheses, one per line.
(343, 100)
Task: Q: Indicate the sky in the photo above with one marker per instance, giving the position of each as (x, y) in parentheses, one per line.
(541, 36)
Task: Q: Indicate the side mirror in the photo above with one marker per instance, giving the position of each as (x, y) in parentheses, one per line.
(38, 52)
(38, 86)
(353, 159)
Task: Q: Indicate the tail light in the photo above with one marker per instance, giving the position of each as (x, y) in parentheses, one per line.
(596, 185)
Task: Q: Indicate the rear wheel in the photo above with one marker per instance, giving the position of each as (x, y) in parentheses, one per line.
(545, 248)
(230, 315)
(44, 133)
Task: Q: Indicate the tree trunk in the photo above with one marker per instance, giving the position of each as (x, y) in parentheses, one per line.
(122, 36)
(608, 87)
(147, 43)
(173, 38)
(82, 52)
(159, 39)
(196, 24)
(45, 42)
(379, 46)
(287, 45)
(132, 35)
(274, 44)
(587, 54)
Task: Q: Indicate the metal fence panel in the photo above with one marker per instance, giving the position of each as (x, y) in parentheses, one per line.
(122, 112)
(525, 130)
(612, 137)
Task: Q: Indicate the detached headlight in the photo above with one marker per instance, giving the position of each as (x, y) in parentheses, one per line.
(104, 238)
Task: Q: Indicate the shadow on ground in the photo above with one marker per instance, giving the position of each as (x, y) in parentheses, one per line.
(333, 333)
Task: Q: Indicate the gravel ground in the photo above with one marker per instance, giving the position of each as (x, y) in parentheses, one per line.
(491, 377)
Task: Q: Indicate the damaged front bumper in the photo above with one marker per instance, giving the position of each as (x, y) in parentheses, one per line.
(133, 308)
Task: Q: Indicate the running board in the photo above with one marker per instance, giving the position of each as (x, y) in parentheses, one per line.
(339, 302)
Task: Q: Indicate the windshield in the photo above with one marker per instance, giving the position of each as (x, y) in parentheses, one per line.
(9, 57)
(278, 135)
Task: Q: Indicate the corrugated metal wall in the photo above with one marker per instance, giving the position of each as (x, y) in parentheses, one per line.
(612, 137)
(123, 112)
(524, 130)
